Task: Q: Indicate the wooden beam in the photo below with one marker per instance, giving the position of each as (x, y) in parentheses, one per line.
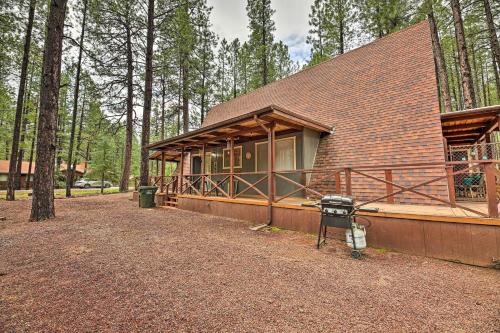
(463, 127)
(231, 167)
(491, 189)
(162, 181)
(181, 171)
(203, 170)
(451, 186)
(388, 187)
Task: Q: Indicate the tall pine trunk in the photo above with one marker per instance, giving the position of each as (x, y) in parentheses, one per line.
(70, 172)
(130, 112)
(163, 95)
(43, 184)
(32, 150)
(495, 46)
(79, 135)
(185, 96)
(148, 95)
(465, 69)
(11, 186)
(440, 62)
(20, 154)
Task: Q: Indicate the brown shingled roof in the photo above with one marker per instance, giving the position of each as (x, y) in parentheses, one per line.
(336, 85)
(4, 167)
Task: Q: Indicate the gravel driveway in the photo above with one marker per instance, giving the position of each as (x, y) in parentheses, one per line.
(105, 265)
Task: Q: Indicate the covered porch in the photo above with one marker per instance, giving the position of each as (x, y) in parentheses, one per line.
(267, 157)
(468, 136)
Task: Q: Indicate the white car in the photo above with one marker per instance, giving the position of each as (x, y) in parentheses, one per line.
(84, 183)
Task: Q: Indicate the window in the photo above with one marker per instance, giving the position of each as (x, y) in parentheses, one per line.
(208, 162)
(285, 155)
(237, 157)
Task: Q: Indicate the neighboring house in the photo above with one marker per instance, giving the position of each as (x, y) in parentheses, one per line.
(80, 170)
(4, 172)
(366, 124)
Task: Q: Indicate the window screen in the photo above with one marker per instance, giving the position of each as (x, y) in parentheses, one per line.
(285, 155)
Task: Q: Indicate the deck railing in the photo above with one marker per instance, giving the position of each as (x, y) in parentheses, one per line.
(395, 181)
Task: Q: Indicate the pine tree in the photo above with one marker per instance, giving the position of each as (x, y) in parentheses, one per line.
(261, 41)
(114, 49)
(43, 184)
(11, 186)
(70, 170)
(331, 28)
(465, 69)
(148, 95)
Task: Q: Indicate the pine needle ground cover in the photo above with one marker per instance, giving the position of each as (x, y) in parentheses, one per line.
(105, 265)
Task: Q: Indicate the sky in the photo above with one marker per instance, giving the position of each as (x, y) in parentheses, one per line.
(229, 19)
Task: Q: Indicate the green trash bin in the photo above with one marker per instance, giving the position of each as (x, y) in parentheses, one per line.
(147, 196)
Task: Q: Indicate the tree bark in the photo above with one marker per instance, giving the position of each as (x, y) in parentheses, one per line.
(43, 184)
(70, 172)
(130, 111)
(11, 186)
(148, 95)
(20, 154)
(440, 62)
(495, 46)
(185, 96)
(32, 150)
(79, 135)
(465, 69)
(163, 94)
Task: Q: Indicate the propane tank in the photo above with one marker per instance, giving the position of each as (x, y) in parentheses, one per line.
(359, 235)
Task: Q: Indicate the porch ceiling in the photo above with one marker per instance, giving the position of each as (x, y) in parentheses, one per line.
(243, 128)
(470, 126)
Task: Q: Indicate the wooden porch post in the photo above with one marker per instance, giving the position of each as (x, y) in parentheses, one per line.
(451, 186)
(389, 187)
(491, 189)
(181, 171)
(446, 152)
(270, 172)
(338, 183)
(487, 140)
(162, 179)
(348, 183)
(271, 162)
(231, 167)
(203, 170)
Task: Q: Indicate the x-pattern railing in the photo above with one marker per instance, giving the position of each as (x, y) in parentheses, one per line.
(206, 184)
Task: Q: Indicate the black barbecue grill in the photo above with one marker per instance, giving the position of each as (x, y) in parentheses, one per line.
(338, 212)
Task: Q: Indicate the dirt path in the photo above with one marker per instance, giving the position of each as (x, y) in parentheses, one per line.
(105, 265)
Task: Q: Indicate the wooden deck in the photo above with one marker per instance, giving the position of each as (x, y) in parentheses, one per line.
(413, 212)
(435, 210)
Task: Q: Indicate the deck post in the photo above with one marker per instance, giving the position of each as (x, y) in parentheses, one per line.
(488, 147)
(272, 160)
(162, 179)
(446, 149)
(231, 167)
(338, 183)
(181, 171)
(491, 189)
(451, 186)
(388, 187)
(348, 181)
(203, 170)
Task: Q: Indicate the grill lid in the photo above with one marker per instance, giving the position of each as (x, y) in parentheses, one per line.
(337, 200)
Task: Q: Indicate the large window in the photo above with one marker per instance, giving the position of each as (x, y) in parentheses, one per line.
(226, 158)
(285, 155)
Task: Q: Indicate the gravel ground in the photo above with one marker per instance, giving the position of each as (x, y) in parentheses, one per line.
(105, 265)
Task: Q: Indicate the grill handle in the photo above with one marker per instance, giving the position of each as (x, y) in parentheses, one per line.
(367, 210)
